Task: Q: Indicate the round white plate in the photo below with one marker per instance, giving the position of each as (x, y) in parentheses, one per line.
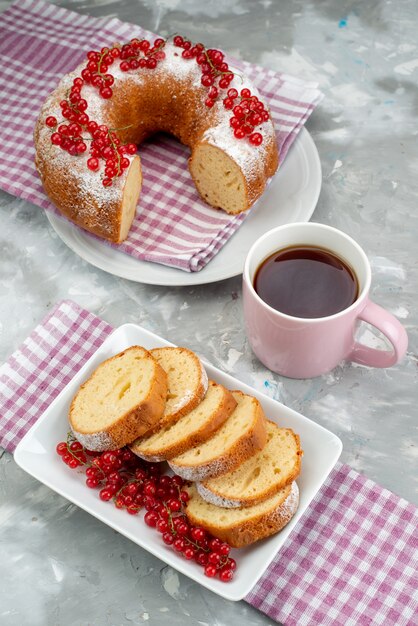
(291, 197)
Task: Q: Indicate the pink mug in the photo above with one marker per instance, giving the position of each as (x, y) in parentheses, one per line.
(303, 348)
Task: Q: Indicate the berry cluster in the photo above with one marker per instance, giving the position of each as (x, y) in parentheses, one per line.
(216, 74)
(133, 484)
(248, 111)
(73, 136)
(95, 72)
(139, 53)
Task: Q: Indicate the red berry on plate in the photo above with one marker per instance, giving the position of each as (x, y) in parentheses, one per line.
(62, 448)
(210, 571)
(226, 574)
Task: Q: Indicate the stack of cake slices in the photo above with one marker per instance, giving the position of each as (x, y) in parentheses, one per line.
(242, 466)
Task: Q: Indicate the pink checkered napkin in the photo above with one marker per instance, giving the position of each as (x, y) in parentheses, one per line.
(352, 560)
(39, 42)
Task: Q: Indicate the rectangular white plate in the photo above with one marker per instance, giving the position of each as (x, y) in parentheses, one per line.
(36, 455)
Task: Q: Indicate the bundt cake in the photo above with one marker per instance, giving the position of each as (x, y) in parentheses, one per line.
(89, 128)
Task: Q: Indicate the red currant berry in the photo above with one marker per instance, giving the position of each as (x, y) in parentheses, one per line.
(51, 121)
(245, 93)
(80, 147)
(239, 133)
(247, 128)
(76, 445)
(214, 558)
(56, 139)
(232, 564)
(86, 75)
(179, 544)
(184, 496)
(210, 571)
(149, 502)
(168, 539)
(107, 182)
(189, 553)
(228, 103)
(93, 164)
(92, 482)
(130, 148)
(162, 526)
(224, 82)
(197, 533)
(232, 93)
(224, 549)
(151, 518)
(178, 41)
(132, 510)
(177, 480)
(256, 139)
(201, 558)
(62, 446)
(214, 544)
(105, 494)
(183, 529)
(158, 43)
(151, 63)
(209, 102)
(226, 574)
(174, 505)
(106, 92)
(83, 118)
(207, 80)
(149, 488)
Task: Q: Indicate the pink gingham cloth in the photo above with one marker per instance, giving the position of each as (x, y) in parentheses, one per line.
(39, 43)
(352, 560)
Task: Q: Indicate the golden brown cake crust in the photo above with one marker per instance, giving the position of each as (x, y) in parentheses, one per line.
(260, 526)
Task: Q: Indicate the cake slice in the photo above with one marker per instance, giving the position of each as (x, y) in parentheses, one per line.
(261, 476)
(191, 430)
(186, 379)
(241, 527)
(122, 400)
(241, 436)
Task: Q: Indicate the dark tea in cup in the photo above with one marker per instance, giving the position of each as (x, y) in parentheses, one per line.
(305, 290)
(306, 281)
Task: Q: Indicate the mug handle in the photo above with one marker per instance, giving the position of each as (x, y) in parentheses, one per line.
(392, 329)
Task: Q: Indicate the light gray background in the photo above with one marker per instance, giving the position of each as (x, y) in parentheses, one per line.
(61, 566)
